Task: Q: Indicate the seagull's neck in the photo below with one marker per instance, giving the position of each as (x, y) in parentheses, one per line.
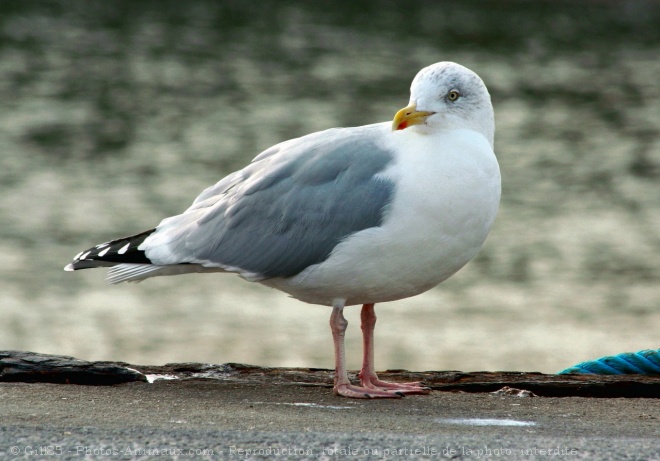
(487, 128)
(484, 125)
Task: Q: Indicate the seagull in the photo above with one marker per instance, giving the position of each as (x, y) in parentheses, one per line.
(342, 217)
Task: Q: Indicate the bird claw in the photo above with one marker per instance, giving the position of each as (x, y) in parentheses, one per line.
(374, 388)
(405, 388)
(358, 392)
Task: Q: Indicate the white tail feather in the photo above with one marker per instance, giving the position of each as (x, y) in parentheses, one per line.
(132, 272)
(138, 272)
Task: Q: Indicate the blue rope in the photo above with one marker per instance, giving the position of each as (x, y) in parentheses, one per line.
(646, 362)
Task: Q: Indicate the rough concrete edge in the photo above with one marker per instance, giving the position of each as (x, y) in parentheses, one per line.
(32, 367)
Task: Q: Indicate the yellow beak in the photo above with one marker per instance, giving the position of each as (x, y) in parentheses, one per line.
(409, 116)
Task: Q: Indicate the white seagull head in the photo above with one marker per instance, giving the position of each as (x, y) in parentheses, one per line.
(446, 96)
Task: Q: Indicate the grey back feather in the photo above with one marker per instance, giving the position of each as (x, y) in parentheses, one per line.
(288, 209)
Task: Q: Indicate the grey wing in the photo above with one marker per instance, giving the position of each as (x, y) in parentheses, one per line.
(284, 212)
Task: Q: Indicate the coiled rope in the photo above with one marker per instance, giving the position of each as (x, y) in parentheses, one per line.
(645, 362)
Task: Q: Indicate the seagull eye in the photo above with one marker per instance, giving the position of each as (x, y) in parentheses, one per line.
(453, 95)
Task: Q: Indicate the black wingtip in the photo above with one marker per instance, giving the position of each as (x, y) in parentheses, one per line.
(119, 251)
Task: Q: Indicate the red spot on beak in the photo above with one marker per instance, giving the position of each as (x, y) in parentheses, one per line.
(402, 126)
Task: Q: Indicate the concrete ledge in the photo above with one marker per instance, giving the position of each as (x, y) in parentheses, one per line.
(231, 411)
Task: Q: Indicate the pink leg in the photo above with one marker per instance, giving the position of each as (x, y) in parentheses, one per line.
(343, 386)
(368, 377)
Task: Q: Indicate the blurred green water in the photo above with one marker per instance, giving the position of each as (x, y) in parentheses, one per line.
(117, 114)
